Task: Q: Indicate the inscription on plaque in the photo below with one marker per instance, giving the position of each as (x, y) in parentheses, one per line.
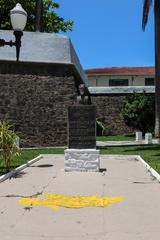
(82, 127)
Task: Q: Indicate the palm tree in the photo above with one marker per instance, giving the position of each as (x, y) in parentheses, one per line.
(38, 15)
(146, 7)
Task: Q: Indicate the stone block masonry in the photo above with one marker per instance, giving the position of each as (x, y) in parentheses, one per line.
(109, 112)
(36, 91)
(37, 107)
(35, 97)
(109, 104)
(82, 160)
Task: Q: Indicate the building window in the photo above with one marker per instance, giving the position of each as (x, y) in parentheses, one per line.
(149, 81)
(118, 82)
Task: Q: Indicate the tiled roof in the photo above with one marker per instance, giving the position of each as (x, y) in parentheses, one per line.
(122, 71)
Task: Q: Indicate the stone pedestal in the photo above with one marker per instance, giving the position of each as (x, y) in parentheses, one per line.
(82, 160)
(81, 154)
(82, 127)
(148, 138)
(138, 136)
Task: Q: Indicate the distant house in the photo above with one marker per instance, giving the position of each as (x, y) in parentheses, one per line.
(121, 76)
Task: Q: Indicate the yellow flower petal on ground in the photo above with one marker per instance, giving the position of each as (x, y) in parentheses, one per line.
(57, 200)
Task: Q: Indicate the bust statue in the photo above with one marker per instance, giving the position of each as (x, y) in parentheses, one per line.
(82, 98)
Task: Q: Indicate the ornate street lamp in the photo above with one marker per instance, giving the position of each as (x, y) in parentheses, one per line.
(18, 18)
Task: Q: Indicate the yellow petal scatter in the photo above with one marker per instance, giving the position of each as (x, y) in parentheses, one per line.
(57, 200)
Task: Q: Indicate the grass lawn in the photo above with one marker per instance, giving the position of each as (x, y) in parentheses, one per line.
(27, 155)
(150, 153)
(116, 138)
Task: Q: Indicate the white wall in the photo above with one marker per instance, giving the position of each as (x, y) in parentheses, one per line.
(102, 80)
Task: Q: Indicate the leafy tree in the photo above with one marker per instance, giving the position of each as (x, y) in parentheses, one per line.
(7, 144)
(138, 111)
(146, 7)
(50, 21)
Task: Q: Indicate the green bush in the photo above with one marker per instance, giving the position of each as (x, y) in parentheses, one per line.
(100, 127)
(138, 111)
(7, 144)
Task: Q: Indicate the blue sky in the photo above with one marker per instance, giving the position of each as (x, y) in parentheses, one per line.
(108, 32)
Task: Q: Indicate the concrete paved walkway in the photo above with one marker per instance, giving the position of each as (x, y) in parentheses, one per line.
(123, 143)
(134, 218)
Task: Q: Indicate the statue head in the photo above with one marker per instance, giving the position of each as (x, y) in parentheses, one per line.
(81, 89)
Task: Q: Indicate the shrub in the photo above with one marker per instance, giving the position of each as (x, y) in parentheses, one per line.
(100, 127)
(138, 111)
(7, 144)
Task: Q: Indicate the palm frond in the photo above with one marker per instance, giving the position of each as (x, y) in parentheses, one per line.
(146, 7)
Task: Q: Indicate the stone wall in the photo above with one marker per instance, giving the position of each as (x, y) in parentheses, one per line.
(35, 98)
(37, 105)
(109, 112)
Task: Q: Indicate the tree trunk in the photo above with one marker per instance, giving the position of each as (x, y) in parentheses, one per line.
(38, 15)
(157, 67)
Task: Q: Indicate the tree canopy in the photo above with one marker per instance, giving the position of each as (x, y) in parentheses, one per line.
(50, 21)
(138, 111)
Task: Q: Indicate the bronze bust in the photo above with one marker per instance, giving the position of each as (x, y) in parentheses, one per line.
(82, 98)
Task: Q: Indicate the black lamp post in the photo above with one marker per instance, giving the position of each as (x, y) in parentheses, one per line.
(18, 20)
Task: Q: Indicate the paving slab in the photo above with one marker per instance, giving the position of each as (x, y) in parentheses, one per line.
(124, 143)
(134, 218)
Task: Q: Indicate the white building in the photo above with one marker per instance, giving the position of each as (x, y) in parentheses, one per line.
(121, 76)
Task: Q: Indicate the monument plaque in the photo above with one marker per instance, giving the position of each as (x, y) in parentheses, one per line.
(82, 127)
